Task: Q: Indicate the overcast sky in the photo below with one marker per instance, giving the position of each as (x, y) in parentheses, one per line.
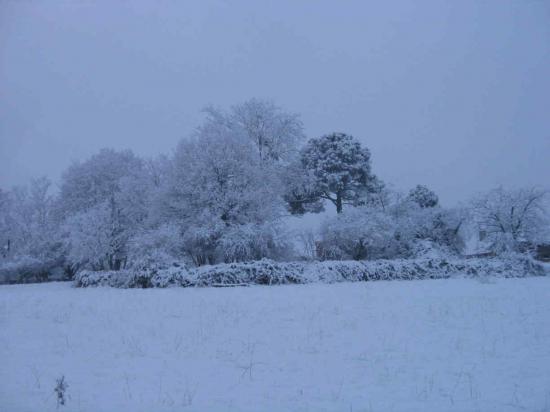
(454, 95)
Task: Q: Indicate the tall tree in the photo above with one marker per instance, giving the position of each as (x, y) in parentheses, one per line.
(340, 168)
(103, 202)
(221, 193)
(274, 132)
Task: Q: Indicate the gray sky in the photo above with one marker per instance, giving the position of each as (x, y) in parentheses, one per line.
(454, 95)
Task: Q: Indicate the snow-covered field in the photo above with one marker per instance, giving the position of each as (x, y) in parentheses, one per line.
(434, 345)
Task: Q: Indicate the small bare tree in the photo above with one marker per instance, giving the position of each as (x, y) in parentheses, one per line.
(60, 390)
(511, 218)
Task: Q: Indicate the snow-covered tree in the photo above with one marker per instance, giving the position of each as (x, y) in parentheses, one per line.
(341, 168)
(300, 190)
(423, 196)
(96, 180)
(274, 132)
(512, 217)
(114, 188)
(97, 237)
(218, 174)
(217, 183)
(26, 223)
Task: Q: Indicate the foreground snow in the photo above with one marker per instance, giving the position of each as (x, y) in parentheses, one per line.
(434, 345)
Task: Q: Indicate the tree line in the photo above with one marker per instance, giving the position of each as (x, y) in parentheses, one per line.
(223, 196)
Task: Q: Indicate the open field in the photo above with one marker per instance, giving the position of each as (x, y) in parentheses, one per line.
(434, 345)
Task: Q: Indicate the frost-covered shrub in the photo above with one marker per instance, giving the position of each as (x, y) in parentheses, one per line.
(253, 242)
(268, 272)
(357, 233)
(440, 226)
(87, 278)
(199, 243)
(263, 272)
(159, 247)
(510, 219)
(218, 242)
(367, 233)
(135, 277)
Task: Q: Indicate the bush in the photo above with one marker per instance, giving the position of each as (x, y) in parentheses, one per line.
(158, 247)
(218, 242)
(369, 233)
(358, 234)
(263, 272)
(134, 278)
(268, 272)
(242, 243)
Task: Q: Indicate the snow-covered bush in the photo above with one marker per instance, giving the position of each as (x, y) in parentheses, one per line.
(437, 225)
(135, 277)
(157, 248)
(357, 233)
(263, 272)
(253, 242)
(395, 232)
(199, 242)
(268, 272)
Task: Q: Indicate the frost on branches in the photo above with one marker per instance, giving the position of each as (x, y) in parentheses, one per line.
(340, 167)
(225, 195)
(512, 219)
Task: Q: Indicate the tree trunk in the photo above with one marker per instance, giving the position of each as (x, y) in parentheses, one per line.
(338, 203)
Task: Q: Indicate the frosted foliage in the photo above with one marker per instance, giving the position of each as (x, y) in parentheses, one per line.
(357, 234)
(222, 195)
(423, 196)
(253, 242)
(225, 195)
(301, 192)
(340, 166)
(218, 175)
(97, 238)
(96, 180)
(274, 132)
(269, 272)
(155, 247)
(511, 217)
(402, 230)
(27, 226)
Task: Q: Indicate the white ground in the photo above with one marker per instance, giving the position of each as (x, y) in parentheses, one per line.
(435, 345)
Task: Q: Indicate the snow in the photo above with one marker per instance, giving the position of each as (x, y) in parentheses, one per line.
(269, 272)
(432, 345)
